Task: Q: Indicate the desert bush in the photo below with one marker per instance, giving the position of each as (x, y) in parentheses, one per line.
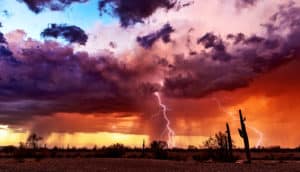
(39, 155)
(115, 151)
(192, 148)
(217, 149)
(33, 141)
(213, 155)
(158, 149)
(21, 153)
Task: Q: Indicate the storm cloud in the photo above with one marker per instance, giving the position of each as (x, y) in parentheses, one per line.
(2, 39)
(4, 51)
(72, 34)
(208, 72)
(246, 3)
(47, 78)
(38, 6)
(133, 11)
(148, 40)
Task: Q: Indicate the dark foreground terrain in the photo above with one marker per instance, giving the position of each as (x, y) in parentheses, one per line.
(141, 165)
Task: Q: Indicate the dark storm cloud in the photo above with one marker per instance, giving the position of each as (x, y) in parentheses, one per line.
(211, 41)
(48, 78)
(2, 39)
(249, 2)
(133, 11)
(72, 34)
(4, 51)
(237, 38)
(245, 3)
(148, 40)
(198, 77)
(38, 6)
(240, 38)
(204, 73)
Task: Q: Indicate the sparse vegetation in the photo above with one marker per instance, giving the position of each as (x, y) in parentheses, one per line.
(158, 149)
(30, 149)
(115, 151)
(244, 135)
(217, 149)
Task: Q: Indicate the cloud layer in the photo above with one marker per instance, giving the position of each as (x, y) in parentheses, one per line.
(148, 40)
(233, 63)
(72, 34)
(46, 78)
(133, 11)
(38, 6)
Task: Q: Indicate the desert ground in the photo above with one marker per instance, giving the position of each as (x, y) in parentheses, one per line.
(138, 165)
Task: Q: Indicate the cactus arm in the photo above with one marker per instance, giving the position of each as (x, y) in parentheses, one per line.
(241, 133)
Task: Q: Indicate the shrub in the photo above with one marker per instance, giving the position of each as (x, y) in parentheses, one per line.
(115, 151)
(158, 149)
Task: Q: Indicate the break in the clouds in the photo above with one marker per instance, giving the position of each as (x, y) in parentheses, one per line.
(38, 6)
(72, 34)
(148, 40)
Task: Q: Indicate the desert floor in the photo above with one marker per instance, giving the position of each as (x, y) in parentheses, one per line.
(135, 165)
(132, 165)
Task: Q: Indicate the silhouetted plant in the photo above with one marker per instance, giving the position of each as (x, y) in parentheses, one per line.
(244, 135)
(229, 140)
(217, 148)
(143, 148)
(21, 153)
(192, 148)
(9, 150)
(158, 149)
(32, 147)
(33, 141)
(222, 153)
(115, 151)
(95, 148)
(210, 143)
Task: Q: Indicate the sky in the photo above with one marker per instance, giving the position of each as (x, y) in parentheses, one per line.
(97, 72)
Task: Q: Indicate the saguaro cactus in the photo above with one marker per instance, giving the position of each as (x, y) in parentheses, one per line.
(244, 135)
(143, 148)
(229, 140)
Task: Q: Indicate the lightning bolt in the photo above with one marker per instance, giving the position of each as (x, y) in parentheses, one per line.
(171, 133)
(231, 114)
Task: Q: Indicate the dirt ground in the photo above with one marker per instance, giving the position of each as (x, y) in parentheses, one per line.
(134, 165)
